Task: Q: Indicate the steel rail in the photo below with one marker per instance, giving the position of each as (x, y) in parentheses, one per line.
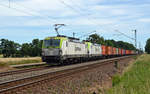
(22, 71)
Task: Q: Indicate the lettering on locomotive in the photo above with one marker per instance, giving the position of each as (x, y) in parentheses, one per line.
(77, 49)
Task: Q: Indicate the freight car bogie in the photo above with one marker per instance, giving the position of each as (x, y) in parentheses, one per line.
(52, 59)
(66, 61)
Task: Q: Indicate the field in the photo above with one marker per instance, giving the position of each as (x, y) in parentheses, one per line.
(136, 80)
(14, 61)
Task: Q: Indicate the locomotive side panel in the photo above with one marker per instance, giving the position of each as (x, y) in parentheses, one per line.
(96, 50)
(75, 49)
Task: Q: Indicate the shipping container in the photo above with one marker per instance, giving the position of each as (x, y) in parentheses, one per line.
(127, 52)
(109, 50)
(103, 50)
(114, 51)
(117, 51)
(124, 51)
(121, 51)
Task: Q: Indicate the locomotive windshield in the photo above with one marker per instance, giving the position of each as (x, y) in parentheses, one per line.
(52, 42)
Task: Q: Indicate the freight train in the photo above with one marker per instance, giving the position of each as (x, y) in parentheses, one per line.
(62, 49)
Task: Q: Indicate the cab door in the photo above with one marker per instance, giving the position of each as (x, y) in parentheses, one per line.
(65, 47)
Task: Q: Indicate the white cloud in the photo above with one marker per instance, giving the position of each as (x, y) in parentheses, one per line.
(118, 12)
(87, 15)
(46, 12)
(147, 20)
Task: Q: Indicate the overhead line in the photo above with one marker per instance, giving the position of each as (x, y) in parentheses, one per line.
(69, 6)
(125, 35)
(78, 6)
(45, 16)
(89, 19)
(87, 34)
(16, 9)
(22, 11)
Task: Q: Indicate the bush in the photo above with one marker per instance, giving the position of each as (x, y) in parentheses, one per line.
(147, 47)
(116, 80)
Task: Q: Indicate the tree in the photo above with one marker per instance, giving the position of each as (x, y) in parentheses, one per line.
(36, 47)
(95, 38)
(9, 48)
(0, 48)
(147, 47)
(0, 51)
(109, 43)
(32, 49)
(26, 50)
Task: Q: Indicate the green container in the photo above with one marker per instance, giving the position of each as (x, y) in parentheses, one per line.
(117, 51)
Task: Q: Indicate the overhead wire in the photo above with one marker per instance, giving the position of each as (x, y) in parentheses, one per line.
(17, 10)
(78, 6)
(125, 35)
(45, 16)
(25, 12)
(69, 6)
(75, 10)
(41, 15)
(87, 34)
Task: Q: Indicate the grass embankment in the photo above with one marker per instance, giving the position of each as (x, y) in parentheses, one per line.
(16, 61)
(134, 81)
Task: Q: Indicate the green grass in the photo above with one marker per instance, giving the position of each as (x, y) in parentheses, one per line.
(1, 56)
(135, 57)
(135, 81)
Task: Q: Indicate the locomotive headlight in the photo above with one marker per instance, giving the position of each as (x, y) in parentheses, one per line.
(60, 52)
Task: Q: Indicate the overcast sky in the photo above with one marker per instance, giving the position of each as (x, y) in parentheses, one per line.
(29, 19)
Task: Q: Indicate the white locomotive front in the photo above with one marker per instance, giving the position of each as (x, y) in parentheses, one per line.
(60, 49)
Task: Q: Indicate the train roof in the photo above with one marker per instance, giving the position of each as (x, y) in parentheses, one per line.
(72, 38)
(64, 37)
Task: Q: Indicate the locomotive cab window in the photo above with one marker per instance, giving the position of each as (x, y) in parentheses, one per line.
(52, 42)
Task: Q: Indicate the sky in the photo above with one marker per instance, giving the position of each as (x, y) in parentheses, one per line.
(24, 20)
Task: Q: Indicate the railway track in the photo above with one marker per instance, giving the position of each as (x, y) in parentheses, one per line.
(22, 71)
(13, 86)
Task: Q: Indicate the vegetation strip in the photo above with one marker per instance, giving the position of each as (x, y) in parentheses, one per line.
(136, 80)
(16, 61)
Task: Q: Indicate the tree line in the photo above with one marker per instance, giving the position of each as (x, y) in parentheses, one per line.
(11, 49)
(147, 47)
(95, 38)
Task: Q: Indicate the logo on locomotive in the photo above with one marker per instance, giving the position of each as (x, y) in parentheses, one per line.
(77, 49)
